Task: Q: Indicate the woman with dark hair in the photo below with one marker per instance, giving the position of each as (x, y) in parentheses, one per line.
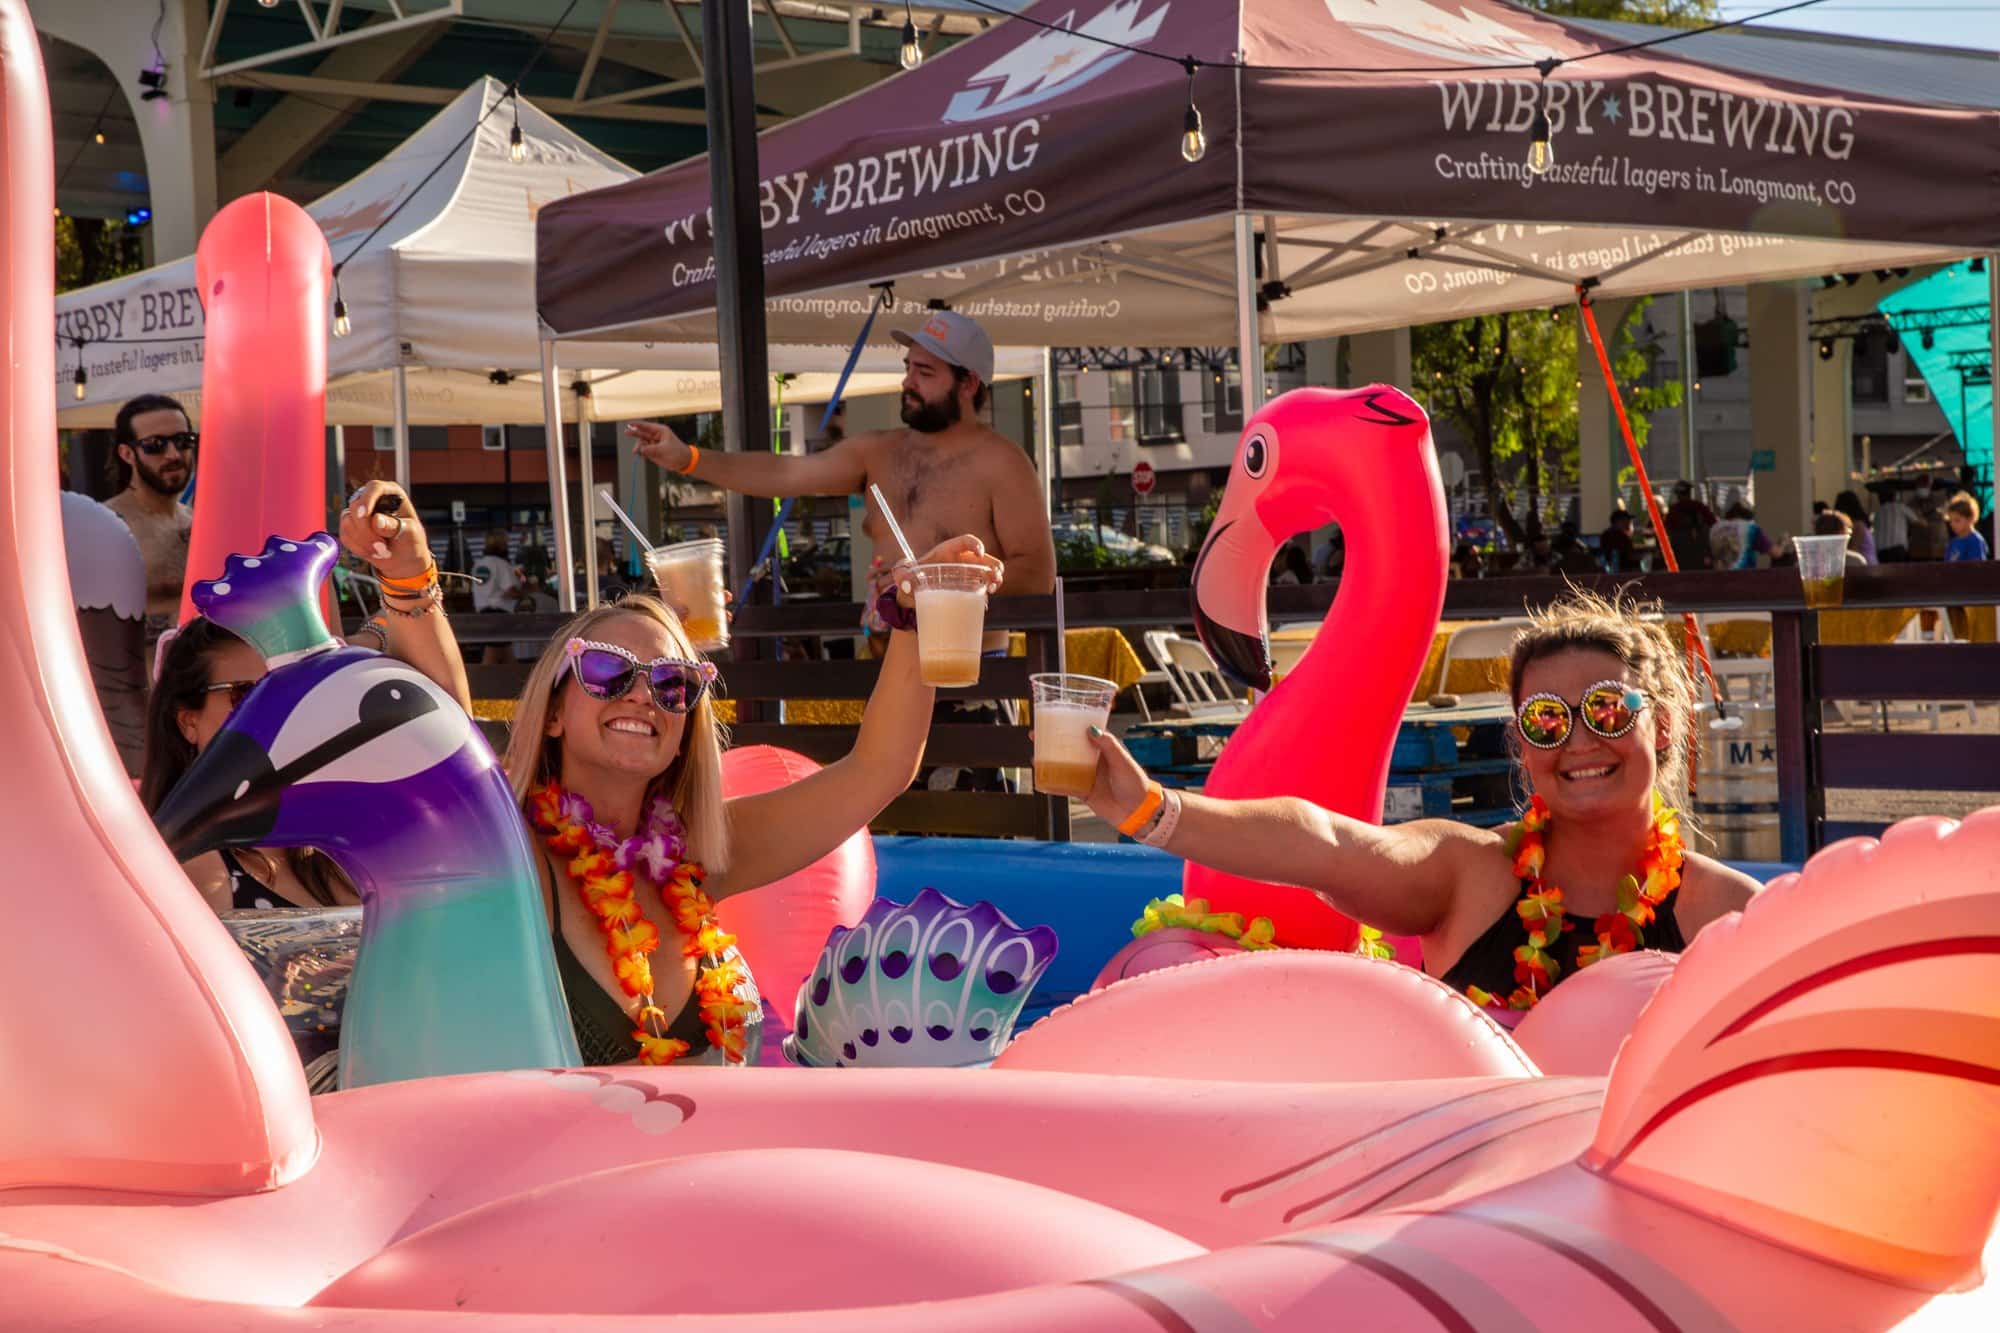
(1862, 538)
(204, 671)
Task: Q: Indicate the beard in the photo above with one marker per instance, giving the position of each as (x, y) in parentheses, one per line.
(930, 418)
(156, 479)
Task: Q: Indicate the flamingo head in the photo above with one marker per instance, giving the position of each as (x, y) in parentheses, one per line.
(1310, 457)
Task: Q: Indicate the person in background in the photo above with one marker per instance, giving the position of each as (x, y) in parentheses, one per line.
(499, 588)
(1467, 563)
(1936, 536)
(1572, 556)
(611, 579)
(1863, 533)
(1615, 547)
(152, 459)
(1962, 513)
(1688, 522)
(1833, 523)
(1892, 524)
(1292, 568)
(1737, 541)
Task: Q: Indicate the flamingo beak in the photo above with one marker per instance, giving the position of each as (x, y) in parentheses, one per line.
(1228, 596)
(229, 798)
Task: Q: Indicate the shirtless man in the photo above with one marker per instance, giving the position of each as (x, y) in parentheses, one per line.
(944, 473)
(155, 456)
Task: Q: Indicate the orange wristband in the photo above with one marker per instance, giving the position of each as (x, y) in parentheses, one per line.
(414, 583)
(694, 456)
(1137, 819)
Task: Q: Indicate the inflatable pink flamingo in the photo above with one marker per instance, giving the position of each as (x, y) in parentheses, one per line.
(1803, 1131)
(1364, 458)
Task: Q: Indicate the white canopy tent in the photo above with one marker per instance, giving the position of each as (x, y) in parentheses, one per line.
(439, 299)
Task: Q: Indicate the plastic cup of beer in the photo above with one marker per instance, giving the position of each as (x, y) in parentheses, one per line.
(951, 622)
(1066, 708)
(689, 577)
(1822, 568)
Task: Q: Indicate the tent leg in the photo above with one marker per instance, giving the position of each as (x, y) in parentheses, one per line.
(586, 481)
(1045, 431)
(1993, 368)
(558, 484)
(1250, 351)
(400, 431)
(1688, 380)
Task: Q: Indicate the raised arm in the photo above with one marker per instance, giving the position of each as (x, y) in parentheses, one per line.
(776, 832)
(1021, 522)
(1400, 879)
(396, 548)
(841, 470)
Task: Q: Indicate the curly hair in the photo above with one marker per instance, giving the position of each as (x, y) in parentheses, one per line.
(1650, 649)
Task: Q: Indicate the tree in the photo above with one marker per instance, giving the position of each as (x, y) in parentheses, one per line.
(1674, 13)
(91, 250)
(1510, 383)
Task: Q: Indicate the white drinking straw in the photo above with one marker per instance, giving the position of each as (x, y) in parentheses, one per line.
(626, 519)
(1062, 639)
(890, 519)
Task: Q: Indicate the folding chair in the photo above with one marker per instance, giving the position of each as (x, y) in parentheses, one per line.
(1199, 687)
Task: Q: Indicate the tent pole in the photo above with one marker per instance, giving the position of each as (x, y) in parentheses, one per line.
(1688, 380)
(1248, 351)
(400, 431)
(1045, 430)
(558, 485)
(586, 481)
(1993, 370)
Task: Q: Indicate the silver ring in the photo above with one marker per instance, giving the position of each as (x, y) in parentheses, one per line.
(399, 527)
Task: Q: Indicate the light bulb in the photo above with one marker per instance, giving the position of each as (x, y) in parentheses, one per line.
(1541, 153)
(82, 380)
(342, 325)
(517, 147)
(268, 4)
(99, 136)
(1194, 144)
(913, 54)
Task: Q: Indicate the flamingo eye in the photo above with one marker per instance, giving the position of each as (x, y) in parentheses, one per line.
(1256, 457)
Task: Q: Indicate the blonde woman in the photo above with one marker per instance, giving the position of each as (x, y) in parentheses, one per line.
(1604, 716)
(616, 758)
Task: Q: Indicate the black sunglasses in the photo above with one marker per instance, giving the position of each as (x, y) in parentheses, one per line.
(238, 691)
(153, 446)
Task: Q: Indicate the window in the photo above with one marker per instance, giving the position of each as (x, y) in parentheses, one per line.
(1222, 401)
(1916, 389)
(1871, 369)
(1069, 410)
(1123, 415)
(1159, 405)
(421, 437)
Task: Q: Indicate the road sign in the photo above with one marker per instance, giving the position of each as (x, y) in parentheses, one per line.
(1763, 460)
(458, 511)
(1143, 478)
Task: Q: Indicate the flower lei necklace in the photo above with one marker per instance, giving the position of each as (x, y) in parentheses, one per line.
(604, 865)
(1542, 913)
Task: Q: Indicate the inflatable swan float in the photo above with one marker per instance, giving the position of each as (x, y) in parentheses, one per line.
(1803, 1130)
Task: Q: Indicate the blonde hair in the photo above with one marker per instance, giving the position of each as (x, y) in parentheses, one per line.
(1651, 650)
(1964, 506)
(692, 782)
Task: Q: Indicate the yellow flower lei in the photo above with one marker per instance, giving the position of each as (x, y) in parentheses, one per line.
(604, 868)
(1193, 914)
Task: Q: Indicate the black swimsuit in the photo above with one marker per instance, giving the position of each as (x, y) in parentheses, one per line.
(1488, 962)
(246, 892)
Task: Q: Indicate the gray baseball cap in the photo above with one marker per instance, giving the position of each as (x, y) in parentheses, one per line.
(953, 339)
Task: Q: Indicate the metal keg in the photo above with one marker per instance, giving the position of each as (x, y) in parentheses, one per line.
(1736, 784)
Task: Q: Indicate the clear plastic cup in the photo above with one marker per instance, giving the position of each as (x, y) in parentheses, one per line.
(690, 579)
(951, 622)
(1066, 708)
(1822, 568)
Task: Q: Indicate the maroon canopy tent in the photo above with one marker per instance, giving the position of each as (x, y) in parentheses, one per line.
(1033, 178)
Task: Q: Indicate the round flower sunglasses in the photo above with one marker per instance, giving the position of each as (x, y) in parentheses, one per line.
(1609, 708)
(606, 671)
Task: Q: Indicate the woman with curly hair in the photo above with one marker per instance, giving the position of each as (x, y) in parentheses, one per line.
(1604, 718)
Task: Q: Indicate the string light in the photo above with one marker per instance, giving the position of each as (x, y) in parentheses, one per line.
(81, 380)
(517, 147)
(1194, 144)
(912, 53)
(268, 4)
(342, 325)
(1541, 153)
(98, 135)
(1826, 349)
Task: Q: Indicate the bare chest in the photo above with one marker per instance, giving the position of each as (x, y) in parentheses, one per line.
(936, 494)
(163, 545)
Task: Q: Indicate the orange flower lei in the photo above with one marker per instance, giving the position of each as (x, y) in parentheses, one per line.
(605, 867)
(1543, 916)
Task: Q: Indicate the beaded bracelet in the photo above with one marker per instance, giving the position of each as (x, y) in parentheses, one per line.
(377, 628)
(427, 601)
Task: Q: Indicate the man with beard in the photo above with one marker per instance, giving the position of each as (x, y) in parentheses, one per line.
(944, 473)
(154, 458)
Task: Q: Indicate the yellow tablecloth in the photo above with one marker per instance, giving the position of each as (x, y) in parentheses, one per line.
(1468, 675)
(1752, 638)
(1092, 651)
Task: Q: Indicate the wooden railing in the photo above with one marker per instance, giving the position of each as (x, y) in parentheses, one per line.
(1805, 674)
